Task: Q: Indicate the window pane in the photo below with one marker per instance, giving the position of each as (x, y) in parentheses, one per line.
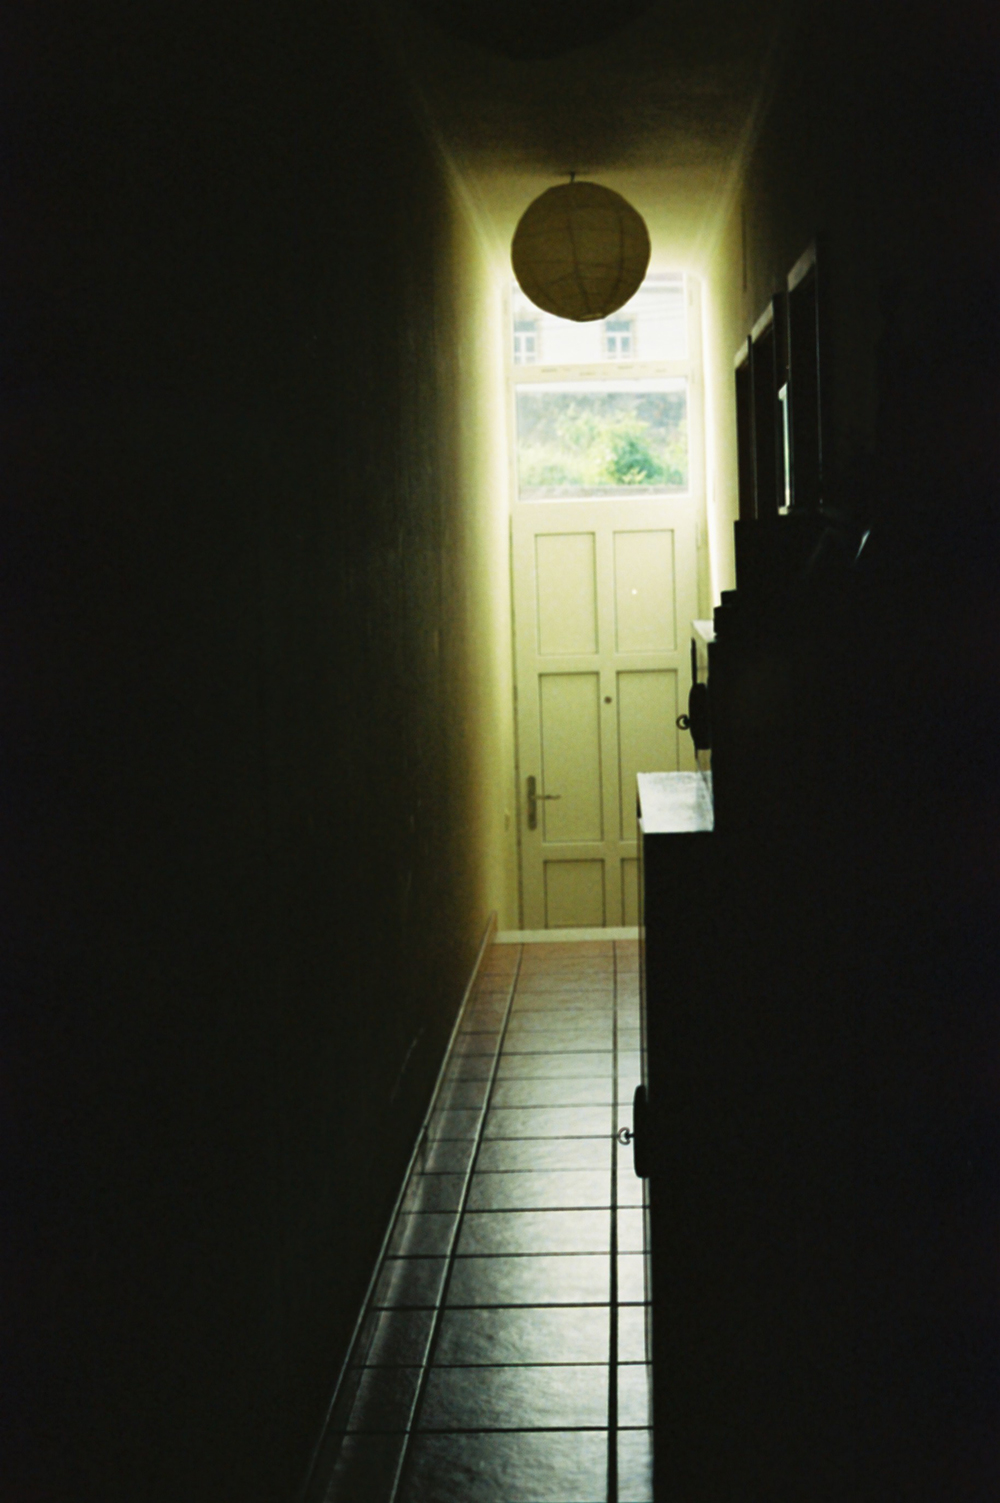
(590, 438)
(655, 321)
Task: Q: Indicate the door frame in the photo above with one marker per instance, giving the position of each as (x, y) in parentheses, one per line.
(691, 369)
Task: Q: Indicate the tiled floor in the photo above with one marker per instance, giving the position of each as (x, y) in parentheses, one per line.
(503, 1359)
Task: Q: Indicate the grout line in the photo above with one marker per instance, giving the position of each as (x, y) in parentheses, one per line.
(454, 1366)
(576, 1304)
(495, 1430)
(442, 1299)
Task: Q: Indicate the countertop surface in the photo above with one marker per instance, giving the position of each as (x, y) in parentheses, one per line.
(674, 803)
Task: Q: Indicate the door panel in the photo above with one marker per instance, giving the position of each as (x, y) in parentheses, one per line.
(566, 586)
(645, 592)
(569, 714)
(574, 894)
(647, 733)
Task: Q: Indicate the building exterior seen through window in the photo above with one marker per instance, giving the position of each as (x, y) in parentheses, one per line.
(525, 341)
(583, 431)
(618, 338)
(652, 326)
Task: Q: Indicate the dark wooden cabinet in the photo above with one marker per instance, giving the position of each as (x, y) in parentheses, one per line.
(748, 1043)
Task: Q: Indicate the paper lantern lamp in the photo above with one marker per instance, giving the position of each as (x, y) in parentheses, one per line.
(580, 251)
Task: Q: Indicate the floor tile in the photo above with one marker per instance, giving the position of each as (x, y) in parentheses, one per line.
(573, 1037)
(531, 1334)
(445, 1156)
(573, 1091)
(514, 1398)
(467, 1044)
(532, 1467)
(634, 1395)
(631, 1236)
(562, 965)
(630, 1186)
(533, 1190)
(397, 1338)
(629, 1075)
(454, 1123)
(410, 1281)
(567, 984)
(632, 1334)
(486, 1005)
(544, 1153)
(571, 1041)
(635, 1466)
(520, 1355)
(501, 958)
(548, 1122)
(631, 1278)
(569, 995)
(464, 1095)
(485, 1233)
(560, 1020)
(556, 950)
(564, 1065)
(540, 1280)
(422, 1233)
(384, 1399)
(434, 1192)
(494, 995)
(544, 1013)
(365, 1469)
(484, 1020)
(469, 1067)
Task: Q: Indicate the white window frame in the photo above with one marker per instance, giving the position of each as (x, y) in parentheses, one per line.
(606, 372)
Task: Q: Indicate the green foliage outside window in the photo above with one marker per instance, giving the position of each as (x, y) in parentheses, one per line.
(600, 441)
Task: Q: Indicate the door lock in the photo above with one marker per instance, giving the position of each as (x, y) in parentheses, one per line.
(534, 799)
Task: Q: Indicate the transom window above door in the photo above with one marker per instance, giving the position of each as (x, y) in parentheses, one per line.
(652, 326)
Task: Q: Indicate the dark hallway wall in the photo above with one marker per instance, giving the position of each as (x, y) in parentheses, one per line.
(880, 143)
(246, 724)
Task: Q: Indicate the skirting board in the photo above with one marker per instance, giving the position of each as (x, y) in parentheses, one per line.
(555, 936)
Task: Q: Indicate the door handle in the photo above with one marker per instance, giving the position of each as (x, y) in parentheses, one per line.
(534, 799)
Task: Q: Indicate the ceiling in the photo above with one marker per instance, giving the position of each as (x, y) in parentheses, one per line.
(656, 108)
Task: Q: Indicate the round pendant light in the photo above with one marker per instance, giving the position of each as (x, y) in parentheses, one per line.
(580, 251)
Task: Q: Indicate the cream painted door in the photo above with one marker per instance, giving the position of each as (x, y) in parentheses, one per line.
(604, 594)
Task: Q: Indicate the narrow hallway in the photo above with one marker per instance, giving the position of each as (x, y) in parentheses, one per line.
(503, 1353)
